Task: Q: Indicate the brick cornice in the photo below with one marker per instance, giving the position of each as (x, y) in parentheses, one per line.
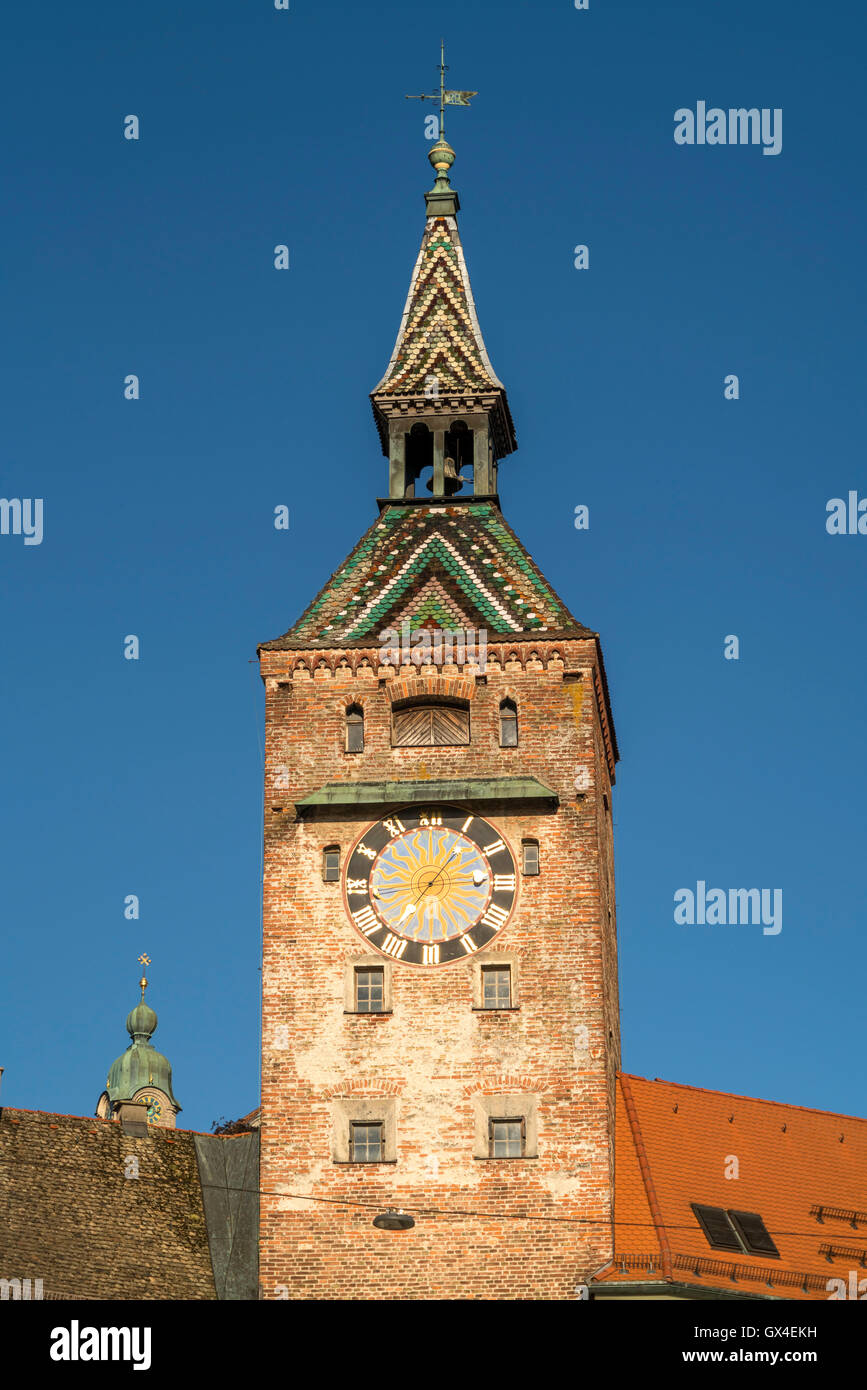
(351, 662)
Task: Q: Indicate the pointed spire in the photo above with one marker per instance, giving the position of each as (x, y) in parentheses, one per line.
(440, 404)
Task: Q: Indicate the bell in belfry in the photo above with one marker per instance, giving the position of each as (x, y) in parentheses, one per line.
(452, 481)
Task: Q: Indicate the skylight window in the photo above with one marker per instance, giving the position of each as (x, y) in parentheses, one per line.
(743, 1231)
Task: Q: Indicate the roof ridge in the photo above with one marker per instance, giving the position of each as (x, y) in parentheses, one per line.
(737, 1095)
(103, 1120)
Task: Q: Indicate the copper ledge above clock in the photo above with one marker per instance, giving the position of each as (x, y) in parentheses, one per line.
(471, 789)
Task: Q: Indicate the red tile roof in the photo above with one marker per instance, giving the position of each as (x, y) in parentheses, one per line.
(674, 1146)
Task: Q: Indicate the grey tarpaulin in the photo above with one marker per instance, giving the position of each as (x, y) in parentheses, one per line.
(229, 1173)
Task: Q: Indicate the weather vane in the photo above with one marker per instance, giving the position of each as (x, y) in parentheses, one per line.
(445, 98)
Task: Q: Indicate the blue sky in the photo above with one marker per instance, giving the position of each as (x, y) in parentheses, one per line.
(155, 257)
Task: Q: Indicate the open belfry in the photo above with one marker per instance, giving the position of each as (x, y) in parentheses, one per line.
(440, 1014)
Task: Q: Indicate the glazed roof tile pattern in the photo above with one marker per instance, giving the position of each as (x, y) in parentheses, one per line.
(439, 334)
(430, 564)
(433, 606)
(673, 1146)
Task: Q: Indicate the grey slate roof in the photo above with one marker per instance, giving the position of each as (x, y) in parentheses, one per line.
(69, 1216)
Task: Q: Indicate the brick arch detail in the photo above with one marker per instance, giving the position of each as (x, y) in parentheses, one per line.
(374, 1088)
(520, 951)
(422, 687)
(495, 1085)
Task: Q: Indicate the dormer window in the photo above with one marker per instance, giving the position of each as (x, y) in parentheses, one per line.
(355, 729)
(430, 724)
(508, 724)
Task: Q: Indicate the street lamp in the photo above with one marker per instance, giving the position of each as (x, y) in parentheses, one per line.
(392, 1220)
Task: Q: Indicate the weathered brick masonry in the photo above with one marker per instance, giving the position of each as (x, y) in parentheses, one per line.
(434, 1052)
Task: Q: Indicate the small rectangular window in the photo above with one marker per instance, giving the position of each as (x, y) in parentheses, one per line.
(530, 856)
(331, 864)
(507, 1138)
(365, 1143)
(496, 987)
(369, 990)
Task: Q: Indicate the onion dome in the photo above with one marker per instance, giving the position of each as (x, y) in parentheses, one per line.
(141, 1065)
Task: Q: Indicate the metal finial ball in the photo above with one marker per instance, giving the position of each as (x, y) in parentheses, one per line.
(441, 156)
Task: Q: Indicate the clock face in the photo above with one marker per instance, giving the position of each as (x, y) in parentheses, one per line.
(429, 886)
(155, 1110)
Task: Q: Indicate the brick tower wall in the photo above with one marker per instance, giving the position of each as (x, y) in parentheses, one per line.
(483, 1226)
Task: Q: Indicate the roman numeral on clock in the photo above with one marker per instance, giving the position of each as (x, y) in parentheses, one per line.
(468, 943)
(394, 946)
(430, 955)
(503, 882)
(356, 885)
(495, 916)
(394, 827)
(366, 920)
(494, 848)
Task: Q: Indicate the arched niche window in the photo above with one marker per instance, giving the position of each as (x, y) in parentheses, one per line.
(355, 729)
(508, 724)
(458, 454)
(419, 455)
(430, 724)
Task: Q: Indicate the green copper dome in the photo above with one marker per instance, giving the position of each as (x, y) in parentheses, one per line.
(141, 1022)
(141, 1065)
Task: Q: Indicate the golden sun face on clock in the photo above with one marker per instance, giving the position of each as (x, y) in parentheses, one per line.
(430, 886)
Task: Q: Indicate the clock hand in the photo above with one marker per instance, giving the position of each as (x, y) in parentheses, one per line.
(412, 907)
(435, 877)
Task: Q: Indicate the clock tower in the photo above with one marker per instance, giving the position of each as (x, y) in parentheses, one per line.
(440, 1016)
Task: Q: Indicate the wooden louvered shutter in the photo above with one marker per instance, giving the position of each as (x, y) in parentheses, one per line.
(753, 1232)
(717, 1227)
(449, 726)
(411, 728)
(426, 726)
